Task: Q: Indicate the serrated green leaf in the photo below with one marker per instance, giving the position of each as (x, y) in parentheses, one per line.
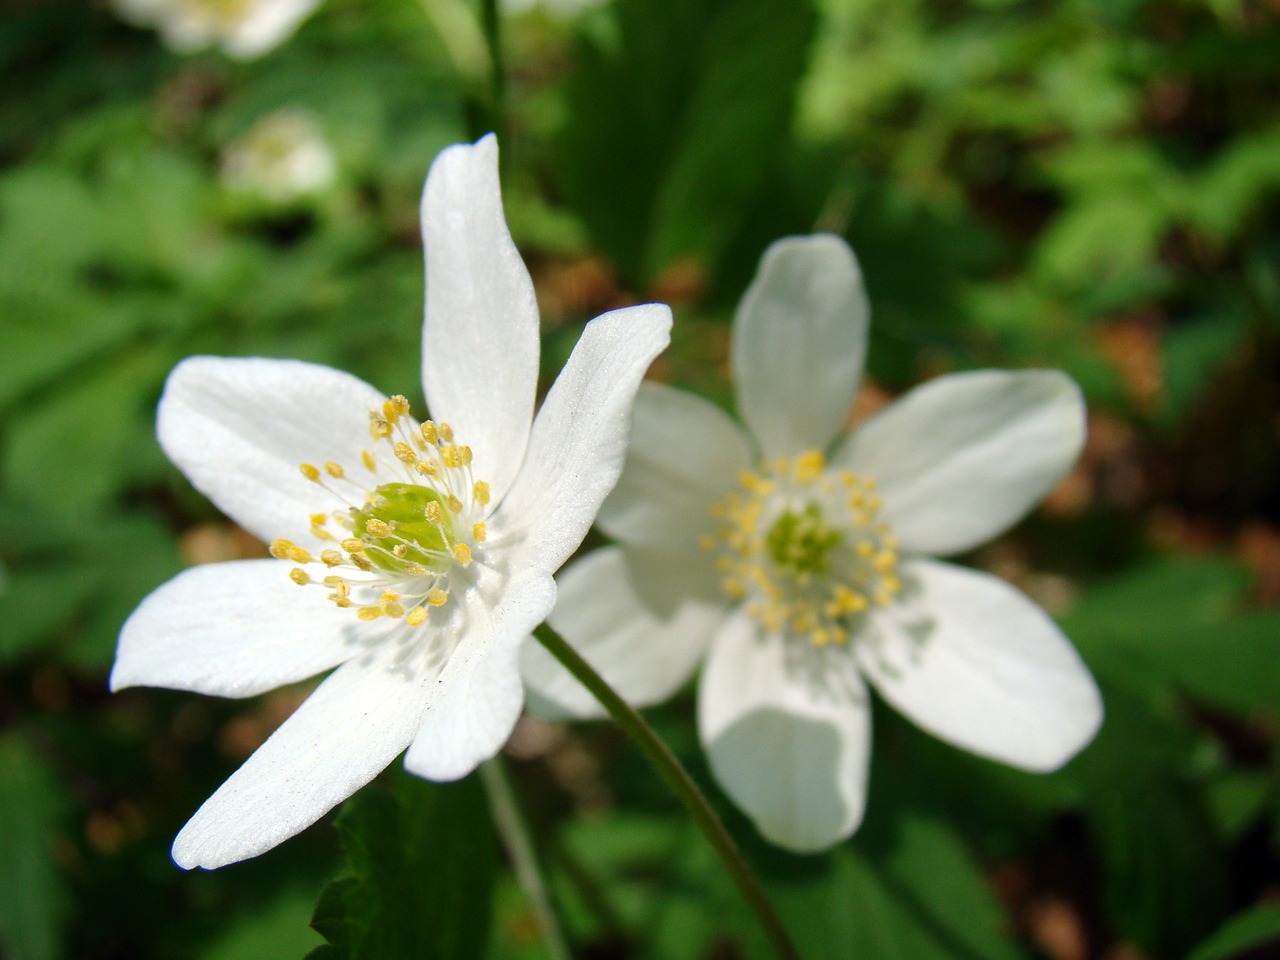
(423, 858)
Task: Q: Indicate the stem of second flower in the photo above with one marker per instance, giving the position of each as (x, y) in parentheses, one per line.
(681, 784)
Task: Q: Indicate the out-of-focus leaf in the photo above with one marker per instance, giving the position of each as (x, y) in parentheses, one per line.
(31, 894)
(1193, 353)
(1161, 855)
(675, 118)
(1177, 620)
(279, 928)
(913, 894)
(423, 860)
(1248, 931)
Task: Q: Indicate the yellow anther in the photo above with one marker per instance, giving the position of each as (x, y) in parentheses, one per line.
(884, 560)
(308, 471)
(368, 613)
(352, 545)
(864, 548)
(299, 576)
(809, 466)
(404, 453)
(299, 555)
(280, 548)
(425, 468)
(334, 469)
(390, 412)
(454, 503)
(339, 601)
(319, 519)
(414, 569)
(478, 532)
(451, 456)
(465, 453)
(367, 459)
(388, 595)
(360, 561)
(462, 552)
(401, 404)
(401, 550)
(437, 597)
(331, 558)
(341, 588)
(433, 513)
(377, 528)
(429, 432)
(417, 616)
(446, 432)
(481, 492)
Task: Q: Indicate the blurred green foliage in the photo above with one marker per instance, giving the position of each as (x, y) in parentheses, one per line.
(1084, 184)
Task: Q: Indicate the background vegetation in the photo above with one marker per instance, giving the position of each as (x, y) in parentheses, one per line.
(1086, 184)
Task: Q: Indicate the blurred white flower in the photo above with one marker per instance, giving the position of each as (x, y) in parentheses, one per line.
(562, 9)
(413, 563)
(241, 28)
(283, 157)
(799, 576)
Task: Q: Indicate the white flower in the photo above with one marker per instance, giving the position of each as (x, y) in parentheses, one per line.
(800, 575)
(242, 28)
(281, 158)
(415, 558)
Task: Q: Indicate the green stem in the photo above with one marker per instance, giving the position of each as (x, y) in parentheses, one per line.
(680, 782)
(519, 845)
(491, 24)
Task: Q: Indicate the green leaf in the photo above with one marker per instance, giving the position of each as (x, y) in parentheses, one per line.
(423, 861)
(31, 801)
(279, 928)
(675, 118)
(910, 894)
(1246, 931)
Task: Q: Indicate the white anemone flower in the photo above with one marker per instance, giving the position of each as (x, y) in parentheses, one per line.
(413, 557)
(796, 559)
(244, 29)
(282, 158)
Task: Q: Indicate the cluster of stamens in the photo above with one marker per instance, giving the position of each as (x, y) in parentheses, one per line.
(801, 547)
(394, 547)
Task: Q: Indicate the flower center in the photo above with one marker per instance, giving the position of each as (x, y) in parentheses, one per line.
(801, 545)
(227, 14)
(399, 542)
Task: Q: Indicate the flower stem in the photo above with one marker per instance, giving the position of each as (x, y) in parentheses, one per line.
(519, 845)
(680, 782)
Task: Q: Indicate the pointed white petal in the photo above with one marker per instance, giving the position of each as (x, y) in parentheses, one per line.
(987, 670)
(579, 440)
(480, 342)
(799, 342)
(788, 735)
(961, 458)
(348, 730)
(472, 706)
(239, 428)
(685, 454)
(233, 630)
(642, 619)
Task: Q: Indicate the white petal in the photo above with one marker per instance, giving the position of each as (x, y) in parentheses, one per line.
(480, 342)
(233, 630)
(348, 730)
(799, 342)
(474, 703)
(961, 458)
(642, 619)
(685, 454)
(579, 440)
(788, 738)
(267, 24)
(239, 428)
(987, 670)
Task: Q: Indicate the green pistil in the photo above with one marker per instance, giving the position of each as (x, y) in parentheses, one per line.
(801, 542)
(403, 507)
